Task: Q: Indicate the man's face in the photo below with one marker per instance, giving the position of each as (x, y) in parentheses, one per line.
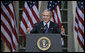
(46, 16)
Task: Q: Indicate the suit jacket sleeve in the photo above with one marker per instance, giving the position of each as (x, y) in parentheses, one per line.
(34, 30)
(57, 29)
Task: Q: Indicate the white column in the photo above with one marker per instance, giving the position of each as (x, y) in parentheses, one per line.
(40, 5)
(16, 6)
(70, 28)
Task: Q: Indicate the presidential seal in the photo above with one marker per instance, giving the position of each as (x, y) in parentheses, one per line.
(43, 43)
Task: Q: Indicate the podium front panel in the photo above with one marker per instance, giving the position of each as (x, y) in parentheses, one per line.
(31, 42)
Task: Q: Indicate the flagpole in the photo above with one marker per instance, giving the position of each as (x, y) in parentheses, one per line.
(6, 49)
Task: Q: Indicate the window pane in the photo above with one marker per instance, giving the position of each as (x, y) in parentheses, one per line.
(65, 27)
(65, 42)
(21, 4)
(21, 50)
(65, 38)
(63, 5)
(64, 50)
(64, 15)
(20, 14)
(21, 41)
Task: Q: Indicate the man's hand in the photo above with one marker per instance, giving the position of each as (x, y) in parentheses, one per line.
(28, 29)
(62, 30)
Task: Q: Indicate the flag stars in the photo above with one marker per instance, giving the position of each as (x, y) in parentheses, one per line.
(52, 4)
(49, 8)
(31, 3)
(50, 1)
(55, 3)
(58, 1)
(81, 4)
(6, 3)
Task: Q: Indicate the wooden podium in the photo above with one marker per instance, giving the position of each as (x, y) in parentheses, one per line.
(43, 43)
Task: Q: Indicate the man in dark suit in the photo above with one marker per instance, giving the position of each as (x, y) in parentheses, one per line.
(46, 26)
(49, 27)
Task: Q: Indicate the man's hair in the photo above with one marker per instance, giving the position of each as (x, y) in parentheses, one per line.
(47, 10)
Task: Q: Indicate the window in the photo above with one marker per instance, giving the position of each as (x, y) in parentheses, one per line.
(22, 44)
(64, 17)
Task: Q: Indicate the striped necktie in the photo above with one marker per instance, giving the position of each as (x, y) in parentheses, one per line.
(46, 30)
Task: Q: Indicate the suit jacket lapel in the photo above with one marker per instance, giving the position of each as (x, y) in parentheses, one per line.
(50, 27)
(41, 27)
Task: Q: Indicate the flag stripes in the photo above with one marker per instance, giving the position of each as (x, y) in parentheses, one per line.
(8, 25)
(54, 7)
(79, 22)
(30, 16)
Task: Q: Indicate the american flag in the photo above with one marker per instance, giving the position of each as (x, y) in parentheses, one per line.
(8, 25)
(79, 22)
(54, 7)
(30, 16)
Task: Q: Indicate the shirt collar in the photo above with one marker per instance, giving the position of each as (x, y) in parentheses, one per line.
(47, 24)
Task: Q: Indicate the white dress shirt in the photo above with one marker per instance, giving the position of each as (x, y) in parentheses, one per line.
(48, 24)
